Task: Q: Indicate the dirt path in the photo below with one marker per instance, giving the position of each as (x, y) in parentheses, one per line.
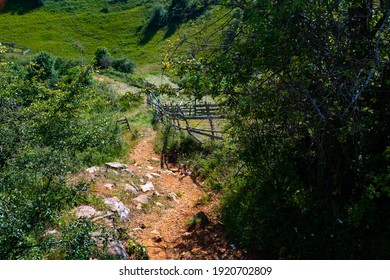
(162, 225)
(121, 88)
(163, 228)
(161, 222)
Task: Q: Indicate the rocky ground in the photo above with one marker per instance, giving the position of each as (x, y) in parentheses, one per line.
(160, 213)
(162, 210)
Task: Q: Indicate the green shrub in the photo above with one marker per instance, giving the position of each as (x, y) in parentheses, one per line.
(63, 65)
(158, 16)
(46, 133)
(102, 58)
(42, 67)
(124, 65)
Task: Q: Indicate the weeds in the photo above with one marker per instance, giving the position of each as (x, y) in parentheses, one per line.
(137, 251)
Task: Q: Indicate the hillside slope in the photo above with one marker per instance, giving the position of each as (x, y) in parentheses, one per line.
(76, 28)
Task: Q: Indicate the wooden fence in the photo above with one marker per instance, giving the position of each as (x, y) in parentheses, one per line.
(200, 120)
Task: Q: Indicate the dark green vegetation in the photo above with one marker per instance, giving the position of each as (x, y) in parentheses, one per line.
(54, 120)
(307, 85)
(103, 60)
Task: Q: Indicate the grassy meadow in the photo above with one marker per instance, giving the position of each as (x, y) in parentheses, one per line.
(75, 29)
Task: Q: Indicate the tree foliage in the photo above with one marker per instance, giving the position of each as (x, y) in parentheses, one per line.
(177, 12)
(48, 129)
(102, 58)
(308, 85)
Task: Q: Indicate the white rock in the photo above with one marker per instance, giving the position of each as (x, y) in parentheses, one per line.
(128, 171)
(117, 206)
(116, 248)
(116, 165)
(85, 211)
(147, 187)
(131, 189)
(92, 170)
(173, 196)
(137, 230)
(143, 199)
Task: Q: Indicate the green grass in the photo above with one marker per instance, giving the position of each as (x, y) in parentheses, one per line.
(76, 28)
(79, 35)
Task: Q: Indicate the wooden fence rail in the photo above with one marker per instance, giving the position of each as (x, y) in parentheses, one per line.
(200, 120)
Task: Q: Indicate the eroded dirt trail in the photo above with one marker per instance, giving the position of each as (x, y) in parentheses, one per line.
(162, 226)
(160, 216)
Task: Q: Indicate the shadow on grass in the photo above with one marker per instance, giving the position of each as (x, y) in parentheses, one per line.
(148, 35)
(20, 7)
(172, 27)
(173, 24)
(151, 31)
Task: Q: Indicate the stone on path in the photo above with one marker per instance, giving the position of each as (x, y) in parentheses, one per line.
(137, 230)
(116, 249)
(92, 170)
(116, 165)
(143, 199)
(131, 189)
(152, 175)
(173, 196)
(147, 187)
(117, 206)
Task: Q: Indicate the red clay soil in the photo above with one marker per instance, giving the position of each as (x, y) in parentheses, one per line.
(162, 227)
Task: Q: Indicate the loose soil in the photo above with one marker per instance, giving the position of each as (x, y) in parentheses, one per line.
(162, 225)
(162, 228)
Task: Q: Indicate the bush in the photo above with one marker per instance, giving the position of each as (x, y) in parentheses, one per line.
(63, 65)
(124, 65)
(42, 67)
(158, 17)
(102, 58)
(58, 131)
